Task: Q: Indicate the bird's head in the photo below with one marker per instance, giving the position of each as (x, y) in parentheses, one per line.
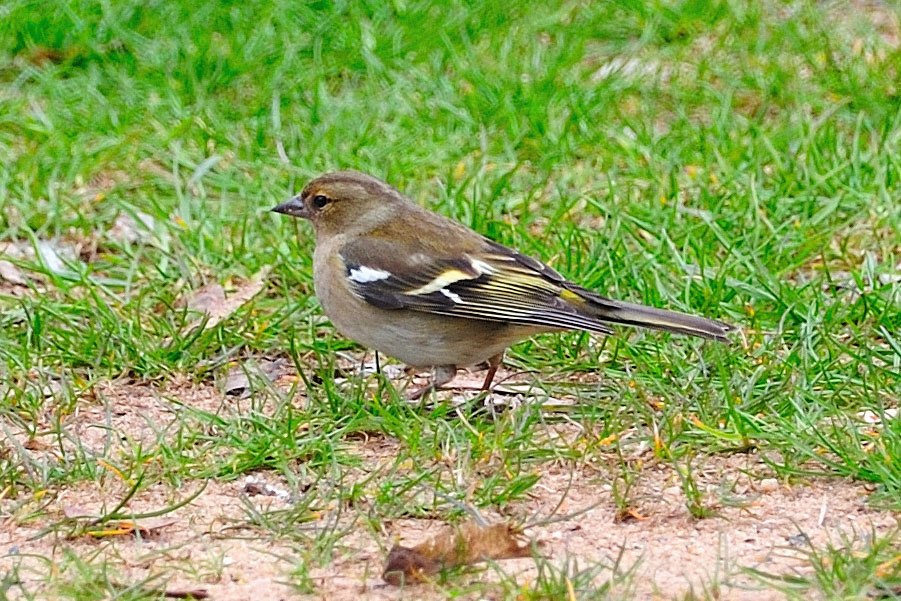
(343, 201)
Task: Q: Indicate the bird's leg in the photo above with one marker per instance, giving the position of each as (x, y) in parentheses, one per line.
(493, 363)
(378, 364)
(441, 375)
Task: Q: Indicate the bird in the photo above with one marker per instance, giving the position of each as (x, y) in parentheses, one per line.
(435, 294)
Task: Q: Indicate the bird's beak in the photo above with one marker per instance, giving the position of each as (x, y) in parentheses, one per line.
(294, 207)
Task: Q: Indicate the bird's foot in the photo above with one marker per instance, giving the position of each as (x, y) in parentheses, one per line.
(493, 363)
(441, 375)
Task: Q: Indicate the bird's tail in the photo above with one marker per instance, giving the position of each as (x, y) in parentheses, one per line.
(614, 311)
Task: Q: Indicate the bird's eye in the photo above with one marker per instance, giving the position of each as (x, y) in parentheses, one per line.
(319, 201)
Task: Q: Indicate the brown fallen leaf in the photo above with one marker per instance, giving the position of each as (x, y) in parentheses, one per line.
(629, 514)
(454, 546)
(11, 273)
(39, 55)
(132, 229)
(886, 569)
(253, 487)
(207, 299)
(237, 381)
(200, 593)
(33, 444)
(215, 306)
(146, 527)
(54, 256)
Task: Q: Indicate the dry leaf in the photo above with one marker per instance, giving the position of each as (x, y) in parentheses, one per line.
(207, 299)
(216, 307)
(454, 546)
(200, 593)
(51, 258)
(131, 229)
(197, 593)
(11, 273)
(145, 528)
(392, 371)
(629, 514)
(407, 565)
(875, 419)
(253, 487)
(18, 249)
(33, 444)
(237, 382)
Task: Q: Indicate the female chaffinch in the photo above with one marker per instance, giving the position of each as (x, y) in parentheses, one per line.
(435, 294)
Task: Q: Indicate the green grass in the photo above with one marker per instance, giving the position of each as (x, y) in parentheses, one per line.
(737, 160)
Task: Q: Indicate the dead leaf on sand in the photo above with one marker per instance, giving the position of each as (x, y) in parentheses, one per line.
(238, 379)
(200, 593)
(51, 255)
(215, 307)
(145, 527)
(27, 262)
(11, 273)
(132, 229)
(454, 546)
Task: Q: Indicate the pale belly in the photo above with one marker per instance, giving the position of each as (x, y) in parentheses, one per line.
(424, 340)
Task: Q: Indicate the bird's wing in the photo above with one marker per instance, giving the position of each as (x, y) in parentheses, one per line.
(490, 282)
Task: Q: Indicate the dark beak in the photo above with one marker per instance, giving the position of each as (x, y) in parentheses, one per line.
(294, 207)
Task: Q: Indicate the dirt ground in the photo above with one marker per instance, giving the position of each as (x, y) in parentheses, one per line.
(211, 545)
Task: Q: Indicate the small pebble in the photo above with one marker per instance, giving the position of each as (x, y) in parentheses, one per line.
(798, 540)
(768, 485)
(672, 491)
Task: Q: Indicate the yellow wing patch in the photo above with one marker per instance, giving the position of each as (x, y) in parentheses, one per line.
(571, 297)
(445, 278)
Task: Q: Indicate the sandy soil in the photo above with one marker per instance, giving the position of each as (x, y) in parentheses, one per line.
(212, 544)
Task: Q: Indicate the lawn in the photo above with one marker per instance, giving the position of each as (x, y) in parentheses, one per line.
(177, 415)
